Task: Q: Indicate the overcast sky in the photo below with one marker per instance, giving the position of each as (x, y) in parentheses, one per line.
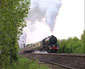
(70, 21)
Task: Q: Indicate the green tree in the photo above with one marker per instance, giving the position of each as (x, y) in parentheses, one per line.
(12, 13)
(69, 44)
(83, 42)
(72, 45)
(62, 46)
(75, 45)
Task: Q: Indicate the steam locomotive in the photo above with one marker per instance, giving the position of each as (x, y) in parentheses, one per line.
(48, 44)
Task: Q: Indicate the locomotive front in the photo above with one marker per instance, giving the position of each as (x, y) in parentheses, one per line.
(50, 44)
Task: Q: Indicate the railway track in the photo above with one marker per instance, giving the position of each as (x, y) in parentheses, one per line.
(65, 61)
(52, 65)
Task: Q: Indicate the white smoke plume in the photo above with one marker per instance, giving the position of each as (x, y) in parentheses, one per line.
(40, 20)
(47, 9)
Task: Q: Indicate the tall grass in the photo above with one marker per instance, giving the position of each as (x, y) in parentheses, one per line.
(25, 63)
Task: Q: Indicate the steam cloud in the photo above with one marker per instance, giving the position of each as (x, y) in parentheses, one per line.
(44, 8)
(40, 20)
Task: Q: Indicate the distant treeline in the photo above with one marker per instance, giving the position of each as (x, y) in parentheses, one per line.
(72, 45)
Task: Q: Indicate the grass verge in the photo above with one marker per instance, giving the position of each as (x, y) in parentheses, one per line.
(25, 63)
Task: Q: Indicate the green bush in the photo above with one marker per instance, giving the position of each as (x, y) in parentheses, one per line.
(72, 45)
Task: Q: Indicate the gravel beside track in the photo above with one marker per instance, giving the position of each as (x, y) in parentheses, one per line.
(69, 61)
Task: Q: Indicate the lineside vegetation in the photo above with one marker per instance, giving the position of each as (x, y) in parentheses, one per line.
(72, 45)
(12, 14)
